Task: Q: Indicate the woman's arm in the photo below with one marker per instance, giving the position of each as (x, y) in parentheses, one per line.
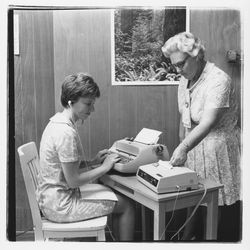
(75, 177)
(209, 119)
(98, 159)
(87, 164)
(181, 130)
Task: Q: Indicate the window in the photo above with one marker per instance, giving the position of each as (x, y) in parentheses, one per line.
(137, 37)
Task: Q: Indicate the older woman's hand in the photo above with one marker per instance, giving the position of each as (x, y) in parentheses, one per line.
(179, 156)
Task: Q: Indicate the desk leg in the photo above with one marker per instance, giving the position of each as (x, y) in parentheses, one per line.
(212, 216)
(159, 223)
(145, 223)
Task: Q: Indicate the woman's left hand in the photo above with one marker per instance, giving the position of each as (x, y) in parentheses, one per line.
(179, 156)
(100, 157)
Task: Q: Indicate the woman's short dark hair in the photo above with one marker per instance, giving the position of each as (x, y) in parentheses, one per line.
(76, 86)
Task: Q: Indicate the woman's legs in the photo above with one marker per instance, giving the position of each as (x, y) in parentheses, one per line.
(124, 219)
(229, 223)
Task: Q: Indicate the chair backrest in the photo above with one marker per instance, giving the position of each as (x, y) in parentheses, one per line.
(30, 168)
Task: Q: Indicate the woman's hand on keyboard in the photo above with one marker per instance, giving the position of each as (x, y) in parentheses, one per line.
(110, 160)
(100, 157)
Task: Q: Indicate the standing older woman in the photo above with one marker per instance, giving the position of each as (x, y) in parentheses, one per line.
(63, 195)
(208, 126)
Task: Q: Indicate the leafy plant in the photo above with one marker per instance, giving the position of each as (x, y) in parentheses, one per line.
(138, 42)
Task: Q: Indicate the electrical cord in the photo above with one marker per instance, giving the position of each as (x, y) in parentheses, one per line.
(178, 188)
(113, 238)
(189, 218)
(84, 155)
(83, 152)
(24, 232)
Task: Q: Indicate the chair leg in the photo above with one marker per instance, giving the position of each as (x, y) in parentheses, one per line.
(101, 235)
(38, 235)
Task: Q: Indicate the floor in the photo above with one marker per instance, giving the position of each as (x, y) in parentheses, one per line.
(29, 236)
(229, 229)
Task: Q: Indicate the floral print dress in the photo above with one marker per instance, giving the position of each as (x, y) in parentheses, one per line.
(217, 156)
(58, 202)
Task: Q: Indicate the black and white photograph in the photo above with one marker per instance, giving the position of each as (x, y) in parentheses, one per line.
(125, 124)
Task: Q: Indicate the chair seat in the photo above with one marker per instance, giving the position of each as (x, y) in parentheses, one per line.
(87, 225)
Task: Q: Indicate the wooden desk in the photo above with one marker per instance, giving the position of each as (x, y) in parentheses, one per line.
(162, 203)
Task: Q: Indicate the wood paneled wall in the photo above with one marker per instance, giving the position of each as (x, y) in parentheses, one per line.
(82, 42)
(34, 93)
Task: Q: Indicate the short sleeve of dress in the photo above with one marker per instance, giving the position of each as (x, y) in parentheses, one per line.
(217, 95)
(67, 146)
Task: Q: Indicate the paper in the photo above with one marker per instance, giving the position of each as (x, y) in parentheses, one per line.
(148, 136)
(97, 192)
(16, 34)
(165, 164)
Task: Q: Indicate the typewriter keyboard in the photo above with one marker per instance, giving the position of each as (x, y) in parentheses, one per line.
(124, 160)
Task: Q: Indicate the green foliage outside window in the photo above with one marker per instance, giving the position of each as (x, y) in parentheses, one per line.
(139, 36)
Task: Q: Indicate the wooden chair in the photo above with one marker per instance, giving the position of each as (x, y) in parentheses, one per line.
(43, 228)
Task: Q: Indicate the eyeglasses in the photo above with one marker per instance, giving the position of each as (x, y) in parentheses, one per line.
(180, 65)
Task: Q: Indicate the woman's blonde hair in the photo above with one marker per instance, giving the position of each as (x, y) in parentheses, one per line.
(184, 42)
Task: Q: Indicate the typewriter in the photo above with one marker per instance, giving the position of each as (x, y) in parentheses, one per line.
(134, 154)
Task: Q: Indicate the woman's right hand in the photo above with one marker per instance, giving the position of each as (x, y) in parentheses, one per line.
(179, 156)
(110, 160)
